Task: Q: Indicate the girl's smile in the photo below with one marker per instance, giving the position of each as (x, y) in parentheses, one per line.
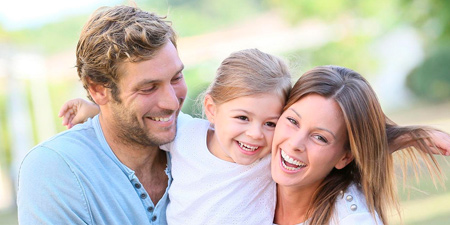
(243, 127)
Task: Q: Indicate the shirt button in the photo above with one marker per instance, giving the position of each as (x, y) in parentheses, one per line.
(353, 207)
(349, 198)
(150, 209)
(137, 185)
(154, 218)
(143, 195)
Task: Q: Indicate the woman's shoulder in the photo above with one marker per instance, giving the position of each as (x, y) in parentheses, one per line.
(351, 208)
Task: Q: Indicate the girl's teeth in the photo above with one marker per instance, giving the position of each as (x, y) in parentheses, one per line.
(247, 147)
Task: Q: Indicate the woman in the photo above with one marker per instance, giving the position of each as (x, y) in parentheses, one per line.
(330, 154)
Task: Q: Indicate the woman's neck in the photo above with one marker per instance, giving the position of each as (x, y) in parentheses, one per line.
(292, 205)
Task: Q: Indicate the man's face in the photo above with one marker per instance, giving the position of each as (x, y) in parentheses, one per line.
(151, 93)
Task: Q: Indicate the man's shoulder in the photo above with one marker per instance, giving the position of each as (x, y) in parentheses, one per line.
(77, 141)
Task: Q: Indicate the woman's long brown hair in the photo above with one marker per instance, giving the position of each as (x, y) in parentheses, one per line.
(370, 133)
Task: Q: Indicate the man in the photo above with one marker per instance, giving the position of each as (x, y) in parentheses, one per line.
(110, 169)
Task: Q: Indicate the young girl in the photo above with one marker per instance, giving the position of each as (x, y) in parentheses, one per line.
(330, 155)
(220, 166)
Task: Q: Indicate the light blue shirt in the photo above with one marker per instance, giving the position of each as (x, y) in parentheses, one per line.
(75, 178)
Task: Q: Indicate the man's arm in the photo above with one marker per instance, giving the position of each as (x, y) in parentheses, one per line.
(49, 191)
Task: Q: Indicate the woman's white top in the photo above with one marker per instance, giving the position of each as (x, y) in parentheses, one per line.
(351, 209)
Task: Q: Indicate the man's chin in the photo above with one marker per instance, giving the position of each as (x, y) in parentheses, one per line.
(165, 139)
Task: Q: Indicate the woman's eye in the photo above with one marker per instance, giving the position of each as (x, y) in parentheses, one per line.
(242, 118)
(293, 121)
(271, 124)
(321, 139)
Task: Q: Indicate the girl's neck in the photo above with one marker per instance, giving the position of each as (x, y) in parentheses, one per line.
(292, 205)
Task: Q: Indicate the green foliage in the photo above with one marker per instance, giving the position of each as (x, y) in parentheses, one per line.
(431, 16)
(351, 52)
(5, 154)
(197, 79)
(60, 91)
(431, 79)
(189, 18)
(202, 16)
(53, 37)
(297, 10)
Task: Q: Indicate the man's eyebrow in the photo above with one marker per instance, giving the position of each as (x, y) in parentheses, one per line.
(181, 69)
(150, 81)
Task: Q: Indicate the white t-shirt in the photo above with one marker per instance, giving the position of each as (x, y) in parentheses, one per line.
(209, 190)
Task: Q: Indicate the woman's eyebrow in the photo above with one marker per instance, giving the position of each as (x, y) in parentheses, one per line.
(319, 128)
(296, 113)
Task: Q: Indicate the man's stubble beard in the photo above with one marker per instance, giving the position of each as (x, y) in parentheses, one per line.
(130, 131)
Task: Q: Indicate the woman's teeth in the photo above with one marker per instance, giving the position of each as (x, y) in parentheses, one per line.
(247, 148)
(292, 164)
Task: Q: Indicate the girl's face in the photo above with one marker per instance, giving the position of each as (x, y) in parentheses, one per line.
(308, 142)
(243, 127)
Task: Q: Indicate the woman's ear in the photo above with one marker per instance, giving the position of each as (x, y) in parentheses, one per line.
(99, 93)
(345, 160)
(210, 108)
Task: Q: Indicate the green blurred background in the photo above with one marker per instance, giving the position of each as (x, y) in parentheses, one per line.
(402, 47)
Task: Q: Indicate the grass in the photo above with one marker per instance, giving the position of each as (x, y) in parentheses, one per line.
(8, 217)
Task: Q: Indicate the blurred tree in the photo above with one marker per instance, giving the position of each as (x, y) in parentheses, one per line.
(431, 16)
(297, 10)
(431, 79)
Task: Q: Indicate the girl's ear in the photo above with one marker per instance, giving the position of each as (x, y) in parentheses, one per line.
(345, 160)
(210, 108)
(99, 93)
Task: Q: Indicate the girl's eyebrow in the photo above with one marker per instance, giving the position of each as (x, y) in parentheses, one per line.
(250, 113)
(319, 128)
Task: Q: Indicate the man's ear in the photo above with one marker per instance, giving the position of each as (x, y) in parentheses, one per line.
(99, 93)
(345, 160)
(210, 108)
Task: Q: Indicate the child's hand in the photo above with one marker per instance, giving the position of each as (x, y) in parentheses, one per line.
(76, 111)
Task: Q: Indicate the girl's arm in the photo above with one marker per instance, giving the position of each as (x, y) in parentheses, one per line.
(77, 111)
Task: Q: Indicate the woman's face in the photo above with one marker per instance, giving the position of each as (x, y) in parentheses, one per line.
(309, 142)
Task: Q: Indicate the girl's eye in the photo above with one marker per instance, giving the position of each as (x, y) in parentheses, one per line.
(242, 118)
(293, 121)
(321, 139)
(271, 124)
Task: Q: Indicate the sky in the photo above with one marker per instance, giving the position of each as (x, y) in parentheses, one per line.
(18, 14)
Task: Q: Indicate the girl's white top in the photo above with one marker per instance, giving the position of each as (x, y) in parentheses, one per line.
(208, 190)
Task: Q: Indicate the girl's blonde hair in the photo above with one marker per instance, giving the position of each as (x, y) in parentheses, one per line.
(370, 133)
(250, 72)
